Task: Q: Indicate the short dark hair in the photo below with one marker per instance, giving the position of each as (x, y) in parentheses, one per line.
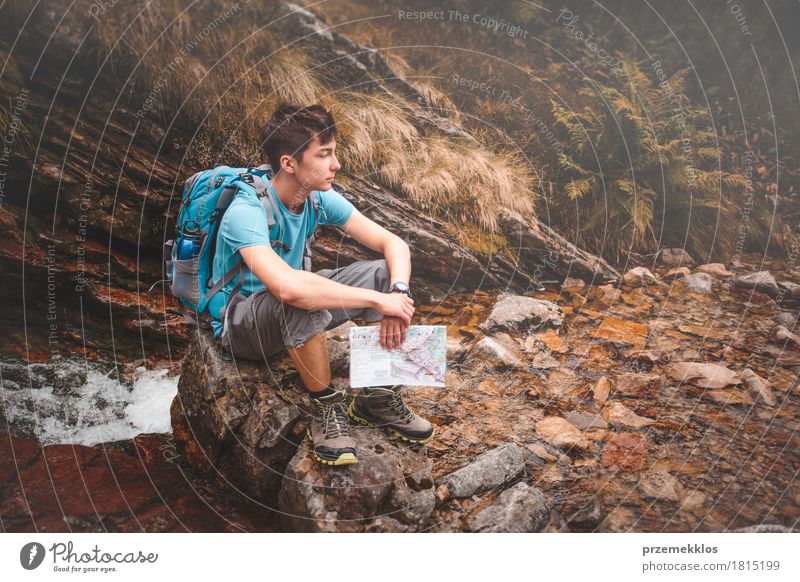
(291, 129)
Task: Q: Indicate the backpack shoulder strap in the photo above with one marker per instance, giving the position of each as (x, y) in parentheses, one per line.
(316, 205)
(270, 207)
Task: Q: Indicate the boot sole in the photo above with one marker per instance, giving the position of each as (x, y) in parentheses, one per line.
(352, 413)
(343, 459)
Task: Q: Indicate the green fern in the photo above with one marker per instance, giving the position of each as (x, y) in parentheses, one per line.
(640, 184)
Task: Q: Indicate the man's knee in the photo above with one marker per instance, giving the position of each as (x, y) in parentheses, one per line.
(299, 325)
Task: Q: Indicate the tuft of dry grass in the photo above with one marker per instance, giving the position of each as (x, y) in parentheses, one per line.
(460, 181)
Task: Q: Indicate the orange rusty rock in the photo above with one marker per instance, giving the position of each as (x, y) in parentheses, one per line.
(621, 331)
(625, 451)
(705, 331)
(553, 341)
(601, 389)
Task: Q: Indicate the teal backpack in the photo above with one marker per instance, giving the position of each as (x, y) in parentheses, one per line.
(189, 258)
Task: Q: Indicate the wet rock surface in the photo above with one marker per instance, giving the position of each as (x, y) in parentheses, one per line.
(141, 485)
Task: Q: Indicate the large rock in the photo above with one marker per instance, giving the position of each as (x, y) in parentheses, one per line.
(676, 258)
(390, 489)
(244, 421)
(240, 419)
(699, 283)
(761, 281)
(489, 470)
(517, 313)
(520, 509)
(639, 277)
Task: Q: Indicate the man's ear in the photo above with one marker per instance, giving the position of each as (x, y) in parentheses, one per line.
(288, 164)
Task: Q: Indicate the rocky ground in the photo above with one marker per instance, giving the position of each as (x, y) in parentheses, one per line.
(644, 407)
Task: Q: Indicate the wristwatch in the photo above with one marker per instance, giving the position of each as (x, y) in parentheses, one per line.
(401, 287)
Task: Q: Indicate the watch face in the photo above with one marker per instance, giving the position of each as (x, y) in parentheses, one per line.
(401, 287)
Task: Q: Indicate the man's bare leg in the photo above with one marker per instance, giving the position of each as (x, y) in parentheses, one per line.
(312, 362)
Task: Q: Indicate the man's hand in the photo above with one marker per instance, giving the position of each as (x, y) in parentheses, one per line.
(393, 332)
(396, 305)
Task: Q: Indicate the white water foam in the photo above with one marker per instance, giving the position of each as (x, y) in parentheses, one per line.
(99, 410)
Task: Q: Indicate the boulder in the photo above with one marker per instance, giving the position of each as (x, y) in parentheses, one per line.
(638, 277)
(390, 489)
(676, 258)
(488, 471)
(517, 313)
(699, 283)
(245, 422)
(520, 509)
(762, 281)
(240, 419)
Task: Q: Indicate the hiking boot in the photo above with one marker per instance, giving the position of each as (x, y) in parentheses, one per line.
(383, 406)
(330, 431)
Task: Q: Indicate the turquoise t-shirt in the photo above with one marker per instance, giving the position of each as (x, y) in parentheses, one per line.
(245, 224)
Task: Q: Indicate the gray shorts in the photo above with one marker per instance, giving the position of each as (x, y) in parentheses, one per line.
(260, 325)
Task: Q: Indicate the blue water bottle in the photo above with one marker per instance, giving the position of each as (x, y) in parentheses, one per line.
(189, 245)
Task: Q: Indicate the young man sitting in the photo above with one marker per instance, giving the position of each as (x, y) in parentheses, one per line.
(280, 305)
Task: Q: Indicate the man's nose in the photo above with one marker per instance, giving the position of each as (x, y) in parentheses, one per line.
(336, 165)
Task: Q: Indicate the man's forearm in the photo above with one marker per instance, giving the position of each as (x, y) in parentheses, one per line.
(398, 259)
(312, 292)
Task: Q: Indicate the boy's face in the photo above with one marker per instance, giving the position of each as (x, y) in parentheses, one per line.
(318, 166)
